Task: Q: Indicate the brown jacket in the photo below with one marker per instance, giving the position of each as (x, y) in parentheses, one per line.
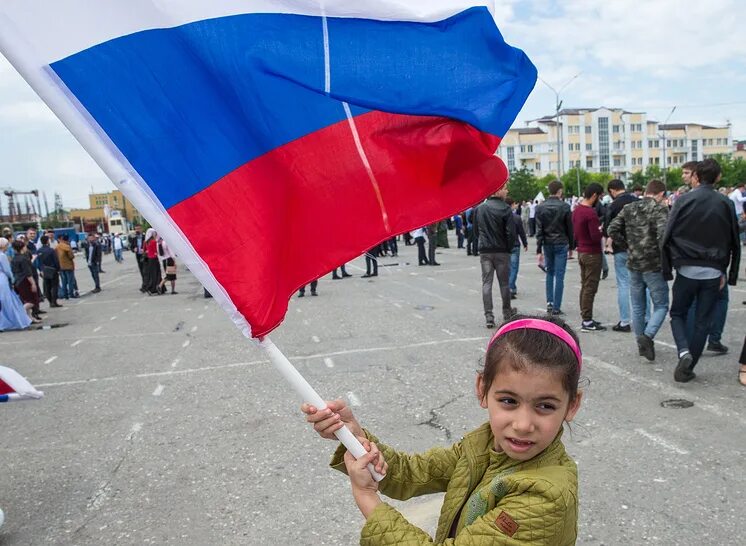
(66, 256)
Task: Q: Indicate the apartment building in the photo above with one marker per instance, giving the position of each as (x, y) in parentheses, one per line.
(609, 140)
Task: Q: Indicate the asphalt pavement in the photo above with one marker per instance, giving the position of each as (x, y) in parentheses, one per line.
(162, 424)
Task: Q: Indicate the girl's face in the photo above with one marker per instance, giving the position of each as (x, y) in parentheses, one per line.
(526, 410)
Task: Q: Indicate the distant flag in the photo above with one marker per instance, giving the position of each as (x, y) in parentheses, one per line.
(14, 387)
(270, 141)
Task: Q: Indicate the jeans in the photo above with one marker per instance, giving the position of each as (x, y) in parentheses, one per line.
(590, 275)
(684, 292)
(421, 252)
(495, 263)
(67, 283)
(639, 285)
(95, 269)
(118, 254)
(622, 286)
(555, 262)
(718, 318)
(515, 263)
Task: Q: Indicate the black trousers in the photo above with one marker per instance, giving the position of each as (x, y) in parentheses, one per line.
(393, 246)
(371, 264)
(742, 360)
(422, 255)
(314, 284)
(51, 288)
(684, 292)
(141, 266)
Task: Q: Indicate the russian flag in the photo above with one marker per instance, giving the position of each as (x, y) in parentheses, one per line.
(270, 141)
(13, 387)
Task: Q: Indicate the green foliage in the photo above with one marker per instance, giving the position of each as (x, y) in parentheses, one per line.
(734, 170)
(522, 185)
(570, 181)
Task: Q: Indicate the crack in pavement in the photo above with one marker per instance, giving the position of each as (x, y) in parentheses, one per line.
(434, 422)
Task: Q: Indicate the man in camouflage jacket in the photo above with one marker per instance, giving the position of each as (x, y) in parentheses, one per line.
(640, 226)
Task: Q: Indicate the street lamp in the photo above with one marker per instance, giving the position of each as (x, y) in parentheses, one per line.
(665, 165)
(558, 105)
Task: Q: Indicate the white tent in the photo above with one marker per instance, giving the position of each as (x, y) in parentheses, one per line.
(539, 197)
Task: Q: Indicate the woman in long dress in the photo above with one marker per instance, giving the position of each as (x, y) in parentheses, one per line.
(153, 265)
(14, 315)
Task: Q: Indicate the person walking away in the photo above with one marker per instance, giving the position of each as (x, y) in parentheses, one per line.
(532, 218)
(23, 278)
(50, 271)
(93, 259)
(432, 242)
(639, 227)
(420, 236)
(701, 240)
(66, 258)
(525, 210)
(621, 198)
(118, 247)
(14, 314)
(510, 481)
(554, 239)
(515, 254)
(495, 229)
(137, 245)
(587, 233)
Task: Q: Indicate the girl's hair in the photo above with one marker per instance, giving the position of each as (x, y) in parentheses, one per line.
(18, 245)
(526, 347)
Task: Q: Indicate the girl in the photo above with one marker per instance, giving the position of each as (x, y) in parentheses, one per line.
(508, 482)
(14, 314)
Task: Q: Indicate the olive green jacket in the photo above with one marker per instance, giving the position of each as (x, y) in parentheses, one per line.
(527, 503)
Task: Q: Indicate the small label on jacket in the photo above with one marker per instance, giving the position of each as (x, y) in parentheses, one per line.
(506, 524)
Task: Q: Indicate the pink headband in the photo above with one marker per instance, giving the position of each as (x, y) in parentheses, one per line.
(544, 325)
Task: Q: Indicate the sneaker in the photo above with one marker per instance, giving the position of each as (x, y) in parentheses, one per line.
(174, 292)
(301, 294)
(619, 328)
(513, 296)
(314, 294)
(95, 290)
(550, 307)
(490, 323)
(336, 278)
(345, 275)
(646, 347)
(592, 326)
(366, 276)
(557, 312)
(509, 313)
(717, 347)
(604, 274)
(683, 372)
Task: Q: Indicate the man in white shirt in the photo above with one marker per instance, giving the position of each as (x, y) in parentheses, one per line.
(738, 198)
(532, 218)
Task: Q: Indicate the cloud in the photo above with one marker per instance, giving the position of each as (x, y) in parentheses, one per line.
(23, 112)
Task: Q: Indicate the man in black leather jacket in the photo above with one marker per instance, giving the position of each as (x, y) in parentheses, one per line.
(554, 238)
(701, 240)
(494, 226)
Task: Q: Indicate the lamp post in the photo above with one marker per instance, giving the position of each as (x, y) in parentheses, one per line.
(558, 106)
(665, 165)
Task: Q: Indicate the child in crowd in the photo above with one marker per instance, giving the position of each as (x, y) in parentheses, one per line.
(508, 482)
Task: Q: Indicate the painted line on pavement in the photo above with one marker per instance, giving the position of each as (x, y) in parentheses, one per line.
(665, 344)
(354, 400)
(186, 344)
(258, 362)
(316, 339)
(96, 329)
(175, 362)
(661, 442)
(158, 390)
(329, 362)
(666, 389)
(194, 328)
(76, 343)
(200, 317)
(397, 305)
(417, 315)
(50, 359)
(125, 310)
(446, 331)
(113, 318)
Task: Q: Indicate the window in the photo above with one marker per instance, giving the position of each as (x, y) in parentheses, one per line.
(537, 166)
(588, 162)
(530, 147)
(617, 162)
(694, 149)
(603, 144)
(588, 129)
(523, 148)
(511, 158)
(615, 129)
(577, 146)
(588, 146)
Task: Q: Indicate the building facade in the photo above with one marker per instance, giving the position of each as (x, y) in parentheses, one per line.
(609, 140)
(115, 201)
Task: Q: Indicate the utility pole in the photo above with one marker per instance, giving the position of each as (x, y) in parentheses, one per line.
(558, 106)
(665, 164)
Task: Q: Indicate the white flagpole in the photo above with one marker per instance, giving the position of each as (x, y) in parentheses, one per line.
(20, 54)
(308, 394)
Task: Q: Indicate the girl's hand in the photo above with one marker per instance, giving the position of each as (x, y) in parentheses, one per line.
(364, 487)
(329, 420)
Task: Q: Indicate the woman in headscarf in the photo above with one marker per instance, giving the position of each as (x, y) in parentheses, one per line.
(152, 265)
(23, 278)
(14, 315)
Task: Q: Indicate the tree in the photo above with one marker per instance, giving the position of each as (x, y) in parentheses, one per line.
(734, 170)
(570, 181)
(522, 185)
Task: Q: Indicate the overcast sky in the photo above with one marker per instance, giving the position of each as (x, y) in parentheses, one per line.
(646, 56)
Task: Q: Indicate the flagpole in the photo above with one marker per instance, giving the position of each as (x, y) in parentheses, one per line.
(309, 395)
(42, 80)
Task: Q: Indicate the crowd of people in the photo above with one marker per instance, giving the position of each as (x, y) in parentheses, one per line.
(42, 268)
(695, 233)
